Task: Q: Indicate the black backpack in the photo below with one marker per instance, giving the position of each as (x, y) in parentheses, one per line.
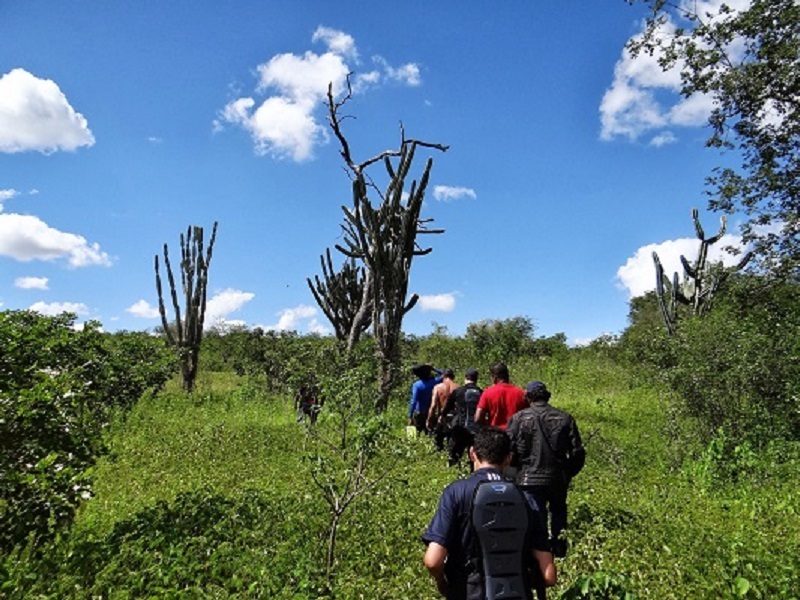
(500, 553)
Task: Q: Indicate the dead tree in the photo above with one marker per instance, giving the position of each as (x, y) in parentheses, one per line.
(186, 333)
(383, 237)
(701, 280)
(340, 295)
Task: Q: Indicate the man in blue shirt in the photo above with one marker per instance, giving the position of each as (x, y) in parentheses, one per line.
(450, 535)
(421, 394)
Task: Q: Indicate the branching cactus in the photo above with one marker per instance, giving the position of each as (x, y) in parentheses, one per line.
(382, 236)
(340, 294)
(186, 333)
(700, 282)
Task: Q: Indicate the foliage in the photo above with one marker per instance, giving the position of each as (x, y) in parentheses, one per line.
(501, 340)
(58, 390)
(748, 61)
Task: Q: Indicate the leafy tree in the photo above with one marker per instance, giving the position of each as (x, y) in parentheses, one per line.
(58, 390)
(748, 61)
(501, 339)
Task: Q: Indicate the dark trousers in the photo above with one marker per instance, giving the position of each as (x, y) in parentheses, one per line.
(461, 439)
(420, 421)
(552, 499)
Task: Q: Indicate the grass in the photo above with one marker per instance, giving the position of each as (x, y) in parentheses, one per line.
(210, 496)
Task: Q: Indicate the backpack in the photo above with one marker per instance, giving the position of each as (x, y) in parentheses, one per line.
(499, 517)
(465, 411)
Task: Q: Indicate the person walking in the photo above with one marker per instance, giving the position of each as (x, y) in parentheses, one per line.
(421, 396)
(548, 453)
(500, 400)
(462, 403)
(453, 554)
(438, 421)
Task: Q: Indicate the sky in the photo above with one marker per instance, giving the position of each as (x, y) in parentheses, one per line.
(123, 123)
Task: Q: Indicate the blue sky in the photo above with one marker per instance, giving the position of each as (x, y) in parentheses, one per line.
(122, 123)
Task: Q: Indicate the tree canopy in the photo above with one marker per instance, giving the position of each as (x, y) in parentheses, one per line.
(746, 57)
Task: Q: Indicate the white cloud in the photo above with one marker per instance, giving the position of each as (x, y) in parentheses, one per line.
(438, 302)
(663, 138)
(447, 193)
(25, 238)
(338, 42)
(638, 274)
(643, 98)
(31, 283)
(290, 319)
(224, 303)
(8, 194)
(285, 124)
(314, 326)
(56, 308)
(143, 310)
(36, 115)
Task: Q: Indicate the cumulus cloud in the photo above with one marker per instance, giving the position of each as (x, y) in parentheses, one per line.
(223, 304)
(143, 310)
(291, 319)
(26, 238)
(285, 124)
(447, 193)
(638, 274)
(31, 283)
(36, 115)
(438, 302)
(56, 308)
(643, 99)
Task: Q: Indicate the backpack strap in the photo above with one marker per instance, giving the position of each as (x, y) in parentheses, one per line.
(499, 518)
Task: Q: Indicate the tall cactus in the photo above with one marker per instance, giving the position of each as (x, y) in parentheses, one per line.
(383, 237)
(701, 280)
(186, 333)
(340, 294)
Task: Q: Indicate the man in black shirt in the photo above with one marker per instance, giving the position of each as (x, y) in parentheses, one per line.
(548, 453)
(462, 403)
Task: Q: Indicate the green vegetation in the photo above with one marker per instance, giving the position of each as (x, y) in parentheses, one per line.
(689, 490)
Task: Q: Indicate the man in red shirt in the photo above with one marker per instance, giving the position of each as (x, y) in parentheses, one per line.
(500, 400)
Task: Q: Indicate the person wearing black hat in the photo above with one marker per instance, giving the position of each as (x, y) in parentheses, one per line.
(421, 395)
(548, 453)
(463, 402)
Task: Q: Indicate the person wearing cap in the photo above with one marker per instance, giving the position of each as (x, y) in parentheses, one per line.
(548, 453)
(500, 400)
(463, 402)
(438, 421)
(421, 395)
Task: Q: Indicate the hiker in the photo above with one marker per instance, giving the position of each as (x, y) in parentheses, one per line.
(439, 421)
(462, 403)
(307, 403)
(548, 453)
(456, 555)
(421, 395)
(500, 400)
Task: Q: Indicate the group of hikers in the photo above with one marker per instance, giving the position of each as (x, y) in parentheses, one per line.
(495, 533)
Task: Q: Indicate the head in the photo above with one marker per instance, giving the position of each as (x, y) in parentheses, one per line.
(491, 446)
(448, 374)
(471, 375)
(422, 371)
(500, 372)
(536, 391)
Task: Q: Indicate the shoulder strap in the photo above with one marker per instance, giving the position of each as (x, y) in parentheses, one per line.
(499, 518)
(545, 437)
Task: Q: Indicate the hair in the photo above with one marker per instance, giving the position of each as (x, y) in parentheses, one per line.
(422, 371)
(449, 373)
(491, 445)
(540, 395)
(500, 370)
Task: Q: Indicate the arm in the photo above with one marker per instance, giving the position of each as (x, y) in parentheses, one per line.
(412, 406)
(434, 562)
(480, 415)
(547, 567)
